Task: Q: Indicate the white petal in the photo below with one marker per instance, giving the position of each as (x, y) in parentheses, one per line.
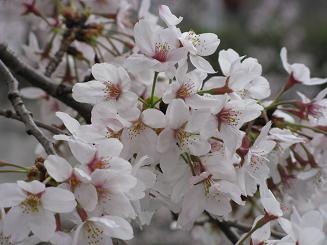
(58, 200)
(10, 195)
(177, 113)
(84, 153)
(117, 227)
(209, 42)
(168, 17)
(70, 123)
(301, 73)
(201, 64)
(283, 56)
(317, 81)
(90, 92)
(58, 168)
(226, 59)
(144, 37)
(34, 187)
(165, 140)
(111, 147)
(118, 204)
(15, 224)
(87, 196)
(33, 93)
(43, 224)
(105, 72)
(154, 118)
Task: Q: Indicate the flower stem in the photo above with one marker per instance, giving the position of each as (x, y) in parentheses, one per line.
(6, 164)
(13, 171)
(317, 130)
(153, 88)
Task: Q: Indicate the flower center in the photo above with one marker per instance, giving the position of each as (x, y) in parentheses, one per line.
(31, 203)
(228, 116)
(97, 163)
(5, 240)
(182, 137)
(315, 110)
(194, 38)
(94, 233)
(161, 51)
(136, 129)
(74, 182)
(185, 90)
(113, 91)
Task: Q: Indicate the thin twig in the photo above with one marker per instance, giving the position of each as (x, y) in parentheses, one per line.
(26, 73)
(12, 115)
(21, 110)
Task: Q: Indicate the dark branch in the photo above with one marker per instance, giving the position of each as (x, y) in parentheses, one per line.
(224, 228)
(21, 110)
(25, 72)
(12, 115)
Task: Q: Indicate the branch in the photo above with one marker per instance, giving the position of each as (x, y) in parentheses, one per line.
(21, 110)
(25, 72)
(224, 228)
(12, 115)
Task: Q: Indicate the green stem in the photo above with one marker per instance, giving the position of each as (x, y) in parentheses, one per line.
(317, 130)
(14, 171)
(6, 164)
(153, 87)
(274, 104)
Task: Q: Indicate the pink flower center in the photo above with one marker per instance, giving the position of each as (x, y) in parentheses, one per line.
(228, 116)
(161, 51)
(315, 110)
(97, 163)
(113, 91)
(186, 90)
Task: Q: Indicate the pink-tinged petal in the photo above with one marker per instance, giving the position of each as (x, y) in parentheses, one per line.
(126, 100)
(83, 152)
(269, 202)
(232, 137)
(283, 57)
(259, 88)
(10, 195)
(208, 44)
(218, 205)
(231, 190)
(312, 218)
(144, 37)
(257, 167)
(58, 168)
(116, 227)
(34, 187)
(58, 200)
(137, 62)
(201, 64)
(43, 224)
(110, 148)
(168, 17)
(118, 204)
(226, 59)
(154, 118)
(198, 146)
(166, 139)
(105, 72)
(90, 92)
(87, 196)
(70, 123)
(33, 93)
(311, 235)
(177, 54)
(15, 224)
(119, 164)
(215, 82)
(177, 113)
(262, 234)
(301, 73)
(317, 81)
(192, 207)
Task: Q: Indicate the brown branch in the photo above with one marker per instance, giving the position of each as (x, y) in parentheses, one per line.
(26, 73)
(12, 115)
(68, 38)
(21, 110)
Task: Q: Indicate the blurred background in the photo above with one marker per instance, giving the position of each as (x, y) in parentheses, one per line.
(255, 28)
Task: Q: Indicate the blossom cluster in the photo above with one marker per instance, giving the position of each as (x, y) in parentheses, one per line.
(167, 129)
